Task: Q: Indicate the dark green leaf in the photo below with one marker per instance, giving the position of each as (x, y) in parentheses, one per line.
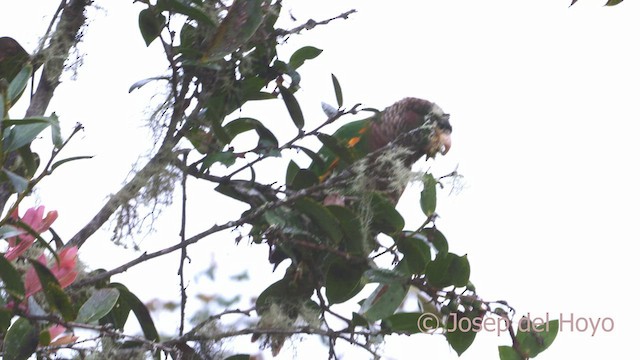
(303, 179)
(613, 2)
(507, 352)
(416, 252)
(53, 292)
(301, 55)
(351, 226)
(343, 281)
(428, 195)
(292, 171)
(404, 323)
(140, 311)
(462, 336)
(191, 10)
(19, 83)
(292, 106)
(437, 239)
(19, 183)
(358, 320)
(242, 20)
(226, 158)
(239, 357)
(321, 216)
(448, 269)
(535, 337)
(336, 148)
(21, 340)
(384, 276)
(238, 126)
(384, 301)
(98, 305)
(13, 58)
(386, 218)
(11, 278)
(337, 89)
(73, 158)
(141, 83)
(151, 23)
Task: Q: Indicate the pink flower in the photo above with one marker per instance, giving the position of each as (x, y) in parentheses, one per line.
(65, 271)
(32, 218)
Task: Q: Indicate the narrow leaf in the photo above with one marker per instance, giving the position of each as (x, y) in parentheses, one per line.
(73, 158)
(19, 83)
(337, 89)
(292, 106)
(428, 195)
(53, 292)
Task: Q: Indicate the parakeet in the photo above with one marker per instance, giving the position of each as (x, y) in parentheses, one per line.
(392, 128)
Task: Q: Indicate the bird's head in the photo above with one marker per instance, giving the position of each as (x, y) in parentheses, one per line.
(410, 114)
(440, 139)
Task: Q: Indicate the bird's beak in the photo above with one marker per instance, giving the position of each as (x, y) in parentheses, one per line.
(444, 139)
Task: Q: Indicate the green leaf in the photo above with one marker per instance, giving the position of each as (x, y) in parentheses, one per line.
(613, 2)
(428, 195)
(238, 126)
(191, 10)
(143, 82)
(304, 179)
(352, 230)
(151, 23)
(416, 252)
(292, 106)
(384, 276)
(508, 353)
(56, 137)
(22, 134)
(303, 54)
(242, 20)
(19, 83)
(73, 158)
(331, 143)
(140, 311)
(534, 338)
(404, 323)
(343, 281)
(56, 298)
(384, 301)
(98, 305)
(448, 269)
(239, 357)
(13, 58)
(386, 218)
(19, 183)
(461, 338)
(337, 89)
(11, 278)
(321, 216)
(437, 239)
(21, 340)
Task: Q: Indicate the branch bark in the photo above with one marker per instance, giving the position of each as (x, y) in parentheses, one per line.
(62, 41)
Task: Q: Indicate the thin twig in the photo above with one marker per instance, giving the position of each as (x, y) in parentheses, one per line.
(183, 254)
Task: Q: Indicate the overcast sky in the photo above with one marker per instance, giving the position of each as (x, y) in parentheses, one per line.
(543, 103)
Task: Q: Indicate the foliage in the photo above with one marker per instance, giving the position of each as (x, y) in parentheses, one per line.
(221, 57)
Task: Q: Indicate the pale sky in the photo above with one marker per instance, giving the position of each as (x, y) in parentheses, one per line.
(542, 100)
